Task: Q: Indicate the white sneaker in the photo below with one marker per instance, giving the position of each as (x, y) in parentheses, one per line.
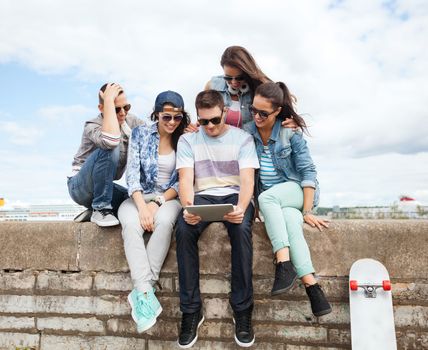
(104, 218)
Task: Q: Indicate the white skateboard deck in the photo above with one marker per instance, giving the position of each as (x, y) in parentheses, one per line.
(370, 299)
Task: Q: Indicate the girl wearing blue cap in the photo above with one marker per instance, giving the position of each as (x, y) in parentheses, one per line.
(153, 206)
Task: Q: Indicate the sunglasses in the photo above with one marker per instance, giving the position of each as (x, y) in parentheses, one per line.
(126, 108)
(167, 118)
(214, 121)
(262, 114)
(228, 78)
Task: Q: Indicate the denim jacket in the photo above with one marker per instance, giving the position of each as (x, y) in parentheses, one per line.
(218, 83)
(142, 168)
(290, 157)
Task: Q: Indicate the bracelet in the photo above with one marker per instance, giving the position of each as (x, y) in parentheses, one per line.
(306, 212)
(159, 200)
(155, 201)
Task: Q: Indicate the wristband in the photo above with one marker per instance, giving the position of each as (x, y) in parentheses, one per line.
(155, 201)
(306, 212)
(159, 200)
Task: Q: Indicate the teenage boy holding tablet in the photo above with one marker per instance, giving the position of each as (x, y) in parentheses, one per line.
(216, 166)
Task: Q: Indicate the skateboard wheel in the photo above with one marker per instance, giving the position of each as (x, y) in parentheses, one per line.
(353, 284)
(386, 285)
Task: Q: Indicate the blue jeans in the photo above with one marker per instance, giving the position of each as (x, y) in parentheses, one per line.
(93, 185)
(187, 236)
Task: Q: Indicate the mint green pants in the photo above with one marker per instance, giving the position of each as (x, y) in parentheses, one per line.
(281, 208)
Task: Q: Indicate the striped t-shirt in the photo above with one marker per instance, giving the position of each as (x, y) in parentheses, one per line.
(268, 174)
(217, 160)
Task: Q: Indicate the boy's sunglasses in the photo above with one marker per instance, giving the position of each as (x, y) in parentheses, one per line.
(167, 118)
(228, 78)
(214, 121)
(262, 114)
(126, 108)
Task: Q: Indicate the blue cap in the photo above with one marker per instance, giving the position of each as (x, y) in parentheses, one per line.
(170, 97)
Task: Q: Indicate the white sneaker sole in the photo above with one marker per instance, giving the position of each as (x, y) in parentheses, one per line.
(243, 345)
(196, 338)
(150, 325)
(147, 327)
(105, 223)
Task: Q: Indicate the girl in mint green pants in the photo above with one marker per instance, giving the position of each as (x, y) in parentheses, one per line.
(289, 190)
(281, 207)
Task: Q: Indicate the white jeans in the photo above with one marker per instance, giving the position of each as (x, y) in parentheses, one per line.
(144, 262)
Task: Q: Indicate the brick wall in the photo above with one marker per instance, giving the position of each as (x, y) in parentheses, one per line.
(64, 286)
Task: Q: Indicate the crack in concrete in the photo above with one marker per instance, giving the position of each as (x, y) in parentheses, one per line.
(79, 244)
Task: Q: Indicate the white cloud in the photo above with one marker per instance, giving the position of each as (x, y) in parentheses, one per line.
(32, 177)
(376, 180)
(20, 134)
(359, 69)
(66, 114)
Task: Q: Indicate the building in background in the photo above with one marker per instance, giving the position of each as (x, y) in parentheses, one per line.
(39, 212)
(405, 208)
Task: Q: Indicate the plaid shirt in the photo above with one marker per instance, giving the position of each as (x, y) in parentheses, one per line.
(142, 165)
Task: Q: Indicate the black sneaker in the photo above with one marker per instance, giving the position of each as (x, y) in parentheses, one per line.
(84, 216)
(189, 329)
(244, 334)
(285, 276)
(319, 303)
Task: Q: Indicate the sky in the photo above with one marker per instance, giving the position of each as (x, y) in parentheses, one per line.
(359, 70)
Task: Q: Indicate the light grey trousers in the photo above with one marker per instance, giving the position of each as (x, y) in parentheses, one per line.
(144, 262)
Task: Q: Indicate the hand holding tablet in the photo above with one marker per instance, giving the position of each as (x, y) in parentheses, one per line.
(210, 212)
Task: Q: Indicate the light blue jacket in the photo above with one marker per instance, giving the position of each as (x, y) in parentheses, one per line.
(290, 157)
(218, 83)
(142, 165)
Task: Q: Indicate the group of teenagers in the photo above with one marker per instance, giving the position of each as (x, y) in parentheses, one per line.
(246, 149)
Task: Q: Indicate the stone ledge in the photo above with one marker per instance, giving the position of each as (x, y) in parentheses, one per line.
(399, 244)
(33, 245)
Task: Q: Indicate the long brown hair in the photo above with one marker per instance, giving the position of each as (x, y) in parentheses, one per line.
(279, 96)
(239, 57)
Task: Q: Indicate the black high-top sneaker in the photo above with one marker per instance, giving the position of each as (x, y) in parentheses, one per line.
(189, 329)
(244, 334)
(319, 304)
(285, 276)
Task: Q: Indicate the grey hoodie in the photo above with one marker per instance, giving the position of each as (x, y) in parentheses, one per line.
(92, 138)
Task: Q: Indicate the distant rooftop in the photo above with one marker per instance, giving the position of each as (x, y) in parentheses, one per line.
(40, 212)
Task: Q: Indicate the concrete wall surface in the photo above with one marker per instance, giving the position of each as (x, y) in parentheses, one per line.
(65, 286)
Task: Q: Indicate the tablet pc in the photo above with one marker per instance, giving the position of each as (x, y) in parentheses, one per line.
(210, 212)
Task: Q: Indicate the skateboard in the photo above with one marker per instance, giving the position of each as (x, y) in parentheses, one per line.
(370, 299)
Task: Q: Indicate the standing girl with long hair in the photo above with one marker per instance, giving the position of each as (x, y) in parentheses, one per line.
(241, 76)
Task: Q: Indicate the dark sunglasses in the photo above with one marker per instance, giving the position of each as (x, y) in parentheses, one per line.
(126, 108)
(214, 121)
(167, 118)
(237, 78)
(262, 114)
